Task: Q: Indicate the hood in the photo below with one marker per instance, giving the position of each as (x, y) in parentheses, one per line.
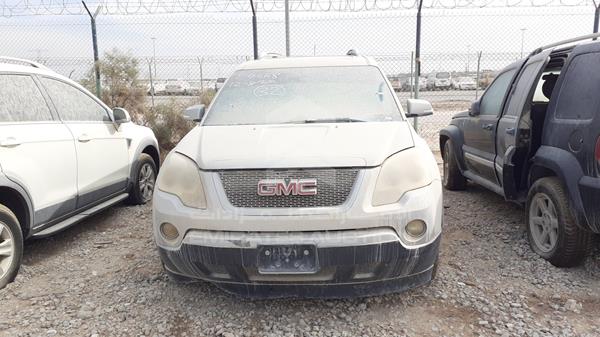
(463, 114)
(295, 145)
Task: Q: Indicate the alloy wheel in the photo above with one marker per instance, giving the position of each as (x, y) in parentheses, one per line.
(147, 180)
(543, 222)
(7, 249)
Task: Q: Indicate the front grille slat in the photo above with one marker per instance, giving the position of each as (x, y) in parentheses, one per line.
(333, 187)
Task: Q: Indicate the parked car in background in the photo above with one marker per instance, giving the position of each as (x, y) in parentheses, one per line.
(407, 84)
(64, 155)
(159, 88)
(177, 87)
(273, 194)
(439, 81)
(534, 138)
(464, 83)
(219, 83)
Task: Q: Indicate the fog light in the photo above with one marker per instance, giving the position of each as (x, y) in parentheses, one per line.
(169, 231)
(416, 228)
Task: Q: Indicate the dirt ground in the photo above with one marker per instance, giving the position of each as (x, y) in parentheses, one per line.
(103, 278)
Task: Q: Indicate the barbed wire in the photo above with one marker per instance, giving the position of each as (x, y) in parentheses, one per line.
(128, 7)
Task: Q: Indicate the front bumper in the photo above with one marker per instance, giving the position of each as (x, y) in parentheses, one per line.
(350, 263)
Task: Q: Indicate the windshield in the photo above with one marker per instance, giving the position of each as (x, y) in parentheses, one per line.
(442, 75)
(304, 95)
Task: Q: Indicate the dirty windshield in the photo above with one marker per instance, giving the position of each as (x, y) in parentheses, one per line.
(304, 95)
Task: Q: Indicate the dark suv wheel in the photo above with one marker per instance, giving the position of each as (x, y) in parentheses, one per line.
(11, 246)
(452, 177)
(552, 230)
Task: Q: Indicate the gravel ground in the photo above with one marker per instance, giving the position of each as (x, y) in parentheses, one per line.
(103, 278)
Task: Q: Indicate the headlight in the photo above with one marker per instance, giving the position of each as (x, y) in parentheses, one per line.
(180, 176)
(403, 172)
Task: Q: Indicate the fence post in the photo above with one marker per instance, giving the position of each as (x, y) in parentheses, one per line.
(287, 28)
(477, 81)
(151, 82)
(596, 16)
(418, 60)
(254, 31)
(95, 45)
(412, 77)
(201, 61)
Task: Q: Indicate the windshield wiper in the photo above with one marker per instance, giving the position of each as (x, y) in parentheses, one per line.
(330, 120)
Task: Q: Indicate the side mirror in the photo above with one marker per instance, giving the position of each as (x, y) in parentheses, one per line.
(475, 109)
(121, 116)
(418, 108)
(194, 113)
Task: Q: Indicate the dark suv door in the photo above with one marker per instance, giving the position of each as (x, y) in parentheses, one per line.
(518, 101)
(479, 131)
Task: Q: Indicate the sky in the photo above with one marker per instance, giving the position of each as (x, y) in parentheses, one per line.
(451, 38)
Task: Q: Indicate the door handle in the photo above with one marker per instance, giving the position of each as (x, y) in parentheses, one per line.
(487, 126)
(9, 142)
(510, 131)
(84, 138)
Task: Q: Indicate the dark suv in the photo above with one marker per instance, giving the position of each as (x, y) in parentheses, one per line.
(533, 137)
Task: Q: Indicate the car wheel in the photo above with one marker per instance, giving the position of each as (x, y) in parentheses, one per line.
(552, 229)
(144, 180)
(11, 246)
(452, 177)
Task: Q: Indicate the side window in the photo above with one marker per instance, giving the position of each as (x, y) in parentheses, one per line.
(491, 102)
(578, 97)
(21, 100)
(73, 104)
(522, 89)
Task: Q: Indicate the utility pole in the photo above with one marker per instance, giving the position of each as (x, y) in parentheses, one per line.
(254, 31)
(287, 28)
(522, 40)
(418, 59)
(95, 45)
(154, 55)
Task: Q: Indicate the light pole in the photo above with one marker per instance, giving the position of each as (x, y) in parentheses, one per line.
(522, 40)
(154, 56)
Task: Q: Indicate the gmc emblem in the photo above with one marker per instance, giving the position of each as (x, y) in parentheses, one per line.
(273, 187)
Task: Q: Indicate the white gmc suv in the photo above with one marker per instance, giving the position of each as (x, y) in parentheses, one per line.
(64, 155)
(304, 178)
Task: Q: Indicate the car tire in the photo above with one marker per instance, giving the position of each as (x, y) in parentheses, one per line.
(453, 179)
(144, 180)
(551, 227)
(11, 246)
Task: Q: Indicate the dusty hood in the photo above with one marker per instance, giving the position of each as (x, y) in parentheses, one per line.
(294, 145)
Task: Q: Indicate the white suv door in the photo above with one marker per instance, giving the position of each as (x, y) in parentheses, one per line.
(102, 151)
(36, 150)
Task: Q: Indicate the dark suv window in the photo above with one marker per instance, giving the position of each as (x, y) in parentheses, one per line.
(491, 102)
(21, 100)
(579, 95)
(73, 104)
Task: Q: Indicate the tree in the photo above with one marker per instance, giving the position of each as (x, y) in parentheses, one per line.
(120, 83)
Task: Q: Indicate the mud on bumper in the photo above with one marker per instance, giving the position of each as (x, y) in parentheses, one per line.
(344, 271)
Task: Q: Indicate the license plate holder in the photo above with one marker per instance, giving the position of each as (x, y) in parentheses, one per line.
(287, 259)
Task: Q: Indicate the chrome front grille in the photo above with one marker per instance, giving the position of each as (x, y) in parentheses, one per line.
(333, 187)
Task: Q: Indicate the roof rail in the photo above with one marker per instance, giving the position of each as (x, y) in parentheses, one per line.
(28, 62)
(563, 42)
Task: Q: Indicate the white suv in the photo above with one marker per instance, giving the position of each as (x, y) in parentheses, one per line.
(304, 178)
(64, 156)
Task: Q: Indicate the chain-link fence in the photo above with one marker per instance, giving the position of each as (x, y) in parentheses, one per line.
(185, 53)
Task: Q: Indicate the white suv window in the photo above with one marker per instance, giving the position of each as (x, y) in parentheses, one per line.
(73, 104)
(21, 100)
